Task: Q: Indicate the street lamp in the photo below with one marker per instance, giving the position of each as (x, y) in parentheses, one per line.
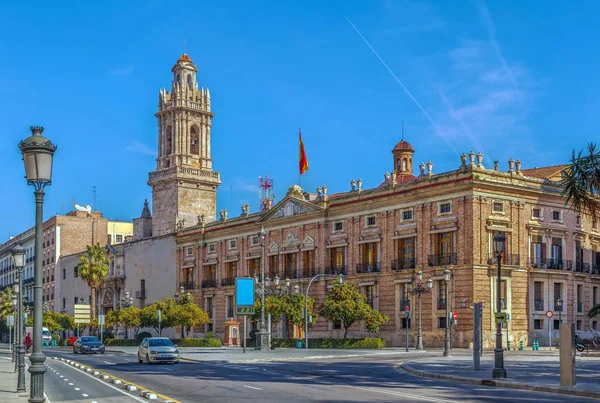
(419, 290)
(38, 153)
(499, 371)
(15, 324)
(262, 341)
(126, 300)
(447, 333)
(306, 303)
(18, 255)
(559, 307)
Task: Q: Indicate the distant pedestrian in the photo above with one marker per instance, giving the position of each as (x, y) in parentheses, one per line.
(28, 342)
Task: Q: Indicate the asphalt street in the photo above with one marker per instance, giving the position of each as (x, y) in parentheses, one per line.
(342, 380)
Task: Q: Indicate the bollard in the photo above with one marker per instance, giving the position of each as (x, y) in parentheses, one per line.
(508, 345)
(521, 345)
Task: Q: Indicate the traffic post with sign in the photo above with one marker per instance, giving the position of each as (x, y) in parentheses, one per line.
(244, 301)
(408, 316)
(10, 322)
(158, 314)
(81, 315)
(549, 315)
(101, 321)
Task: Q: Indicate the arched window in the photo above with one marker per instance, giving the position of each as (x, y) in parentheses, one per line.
(190, 81)
(398, 164)
(404, 165)
(178, 79)
(194, 141)
(169, 140)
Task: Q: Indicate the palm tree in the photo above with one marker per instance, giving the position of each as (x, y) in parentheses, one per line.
(93, 269)
(581, 181)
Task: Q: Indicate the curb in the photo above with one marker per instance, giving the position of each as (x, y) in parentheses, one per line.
(502, 384)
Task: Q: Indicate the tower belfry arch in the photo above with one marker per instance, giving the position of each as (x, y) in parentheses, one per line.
(184, 185)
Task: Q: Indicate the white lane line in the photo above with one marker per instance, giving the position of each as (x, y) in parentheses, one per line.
(403, 394)
(62, 376)
(110, 363)
(168, 369)
(84, 395)
(70, 383)
(252, 387)
(134, 397)
(77, 389)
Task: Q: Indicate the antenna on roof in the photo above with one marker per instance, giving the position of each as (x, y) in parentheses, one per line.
(94, 192)
(184, 45)
(403, 130)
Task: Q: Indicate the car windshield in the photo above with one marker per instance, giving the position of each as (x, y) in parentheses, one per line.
(160, 342)
(45, 332)
(90, 340)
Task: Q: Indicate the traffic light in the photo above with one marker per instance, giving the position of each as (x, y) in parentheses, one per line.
(454, 316)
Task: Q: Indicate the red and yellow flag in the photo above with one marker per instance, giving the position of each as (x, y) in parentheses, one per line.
(303, 160)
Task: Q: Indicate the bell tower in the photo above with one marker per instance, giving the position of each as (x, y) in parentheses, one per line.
(184, 186)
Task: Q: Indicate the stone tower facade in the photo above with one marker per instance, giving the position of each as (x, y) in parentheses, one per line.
(184, 186)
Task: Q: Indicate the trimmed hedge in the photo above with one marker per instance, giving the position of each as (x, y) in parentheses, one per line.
(210, 342)
(366, 343)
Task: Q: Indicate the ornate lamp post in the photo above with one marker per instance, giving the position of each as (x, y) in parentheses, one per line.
(447, 352)
(15, 325)
(262, 341)
(38, 153)
(559, 308)
(419, 290)
(18, 255)
(499, 371)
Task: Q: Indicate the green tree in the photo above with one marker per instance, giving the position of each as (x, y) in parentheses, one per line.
(131, 317)
(273, 306)
(168, 312)
(581, 181)
(6, 303)
(93, 269)
(595, 311)
(189, 314)
(347, 305)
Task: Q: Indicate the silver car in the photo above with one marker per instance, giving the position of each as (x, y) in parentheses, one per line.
(158, 349)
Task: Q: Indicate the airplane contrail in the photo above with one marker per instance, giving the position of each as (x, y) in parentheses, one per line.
(437, 129)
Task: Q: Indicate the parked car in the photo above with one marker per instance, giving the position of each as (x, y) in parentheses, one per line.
(158, 349)
(88, 344)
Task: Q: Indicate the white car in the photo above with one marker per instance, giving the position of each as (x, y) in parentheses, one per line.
(158, 349)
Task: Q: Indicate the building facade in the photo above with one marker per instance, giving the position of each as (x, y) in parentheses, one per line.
(380, 238)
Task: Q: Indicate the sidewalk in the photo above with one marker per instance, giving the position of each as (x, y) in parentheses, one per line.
(530, 371)
(236, 355)
(8, 382)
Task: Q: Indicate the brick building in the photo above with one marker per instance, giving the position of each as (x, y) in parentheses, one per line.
(381, 237)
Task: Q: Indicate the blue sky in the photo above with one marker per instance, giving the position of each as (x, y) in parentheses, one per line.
(507, 78)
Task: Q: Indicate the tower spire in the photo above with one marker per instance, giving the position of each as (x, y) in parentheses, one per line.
(403, 130)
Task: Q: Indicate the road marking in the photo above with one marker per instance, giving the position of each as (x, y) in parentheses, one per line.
(70, 383)
(403, 394)
(110, 363)
(168, 369)
(77, 389)
(84, 395)
(252, 387)
(62, 376)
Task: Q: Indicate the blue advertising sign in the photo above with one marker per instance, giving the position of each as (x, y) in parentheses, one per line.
(244, 296)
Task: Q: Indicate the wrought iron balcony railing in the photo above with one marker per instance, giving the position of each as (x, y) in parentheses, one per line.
(209, 283)
(403, 264)
(291, 274)
(374, 267)
(187, 285)
(551, 264)
(595, 269)
(441, 303)
(309, 272)
(227, 281)
(538, 305)
(507, 259)
(336, 270)
(441, 259)
(581, 267)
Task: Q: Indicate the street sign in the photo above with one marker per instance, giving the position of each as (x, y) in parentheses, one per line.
(101, 319)
(10, 320)
(549, 314)
(500, 317)
(244, 296)
(81, 313)
(508, 316)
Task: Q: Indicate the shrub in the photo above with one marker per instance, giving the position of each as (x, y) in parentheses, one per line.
(205, 342)
(210, 335)
(107, 335)
(56, 337)
(121, 342)
(142, 335)
(367, 343)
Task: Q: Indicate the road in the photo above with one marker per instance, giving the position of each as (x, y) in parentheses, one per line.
(342, 380)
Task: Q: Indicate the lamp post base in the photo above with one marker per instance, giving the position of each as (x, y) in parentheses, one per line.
(499, 371)
(21, 374)
(37, 371)
(262, 340)
(447, 353)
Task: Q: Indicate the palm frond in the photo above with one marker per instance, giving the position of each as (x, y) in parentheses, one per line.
(581, 182)
(595, 311)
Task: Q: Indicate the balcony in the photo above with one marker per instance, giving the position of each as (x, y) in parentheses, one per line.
(551, 264)
(290, 273)
(309, 272)
(581, 267)
(209, 283)
(117, 274)
(538, 305)
(403, 264)
(580, 307)
(368, 267)
(141, 294)
(442, 259)
(441, 303)
(595, 269)
(336, 270)
(187, 285)
(507, 259)
(227, 281)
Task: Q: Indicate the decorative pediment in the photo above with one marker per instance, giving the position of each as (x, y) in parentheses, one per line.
(273, 249)
(290, 240)
(308, 243)
(498, 224)
(291, 207)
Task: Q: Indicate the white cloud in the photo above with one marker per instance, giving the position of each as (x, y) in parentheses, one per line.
(141, 148)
